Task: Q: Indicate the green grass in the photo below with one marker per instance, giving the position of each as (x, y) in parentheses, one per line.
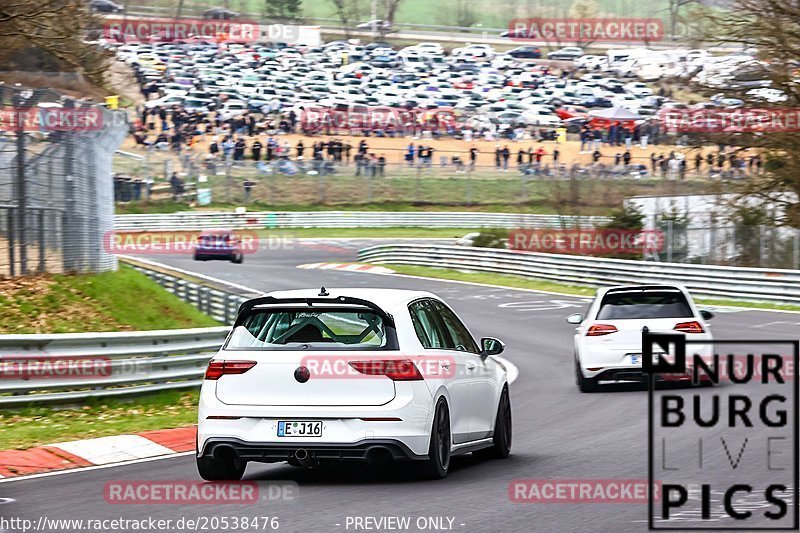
(519, 282)
(109, 301)
(505, 280)
(35, 426)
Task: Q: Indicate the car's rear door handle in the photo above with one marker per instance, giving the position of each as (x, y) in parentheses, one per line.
(470, 366)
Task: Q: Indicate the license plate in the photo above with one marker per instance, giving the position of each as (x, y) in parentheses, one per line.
(299, 428)
(636, 358)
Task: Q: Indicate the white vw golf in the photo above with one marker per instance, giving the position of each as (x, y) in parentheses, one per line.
(371, 375)
(608, 340)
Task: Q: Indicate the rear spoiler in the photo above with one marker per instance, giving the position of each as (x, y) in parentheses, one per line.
(247, 306)
(644, 288)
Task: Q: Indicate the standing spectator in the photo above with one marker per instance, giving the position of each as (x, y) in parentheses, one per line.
(596, 155)
(256, 148)
(506, 154)
(626, 158)
(381, 165)
(698, 162)
(556, 155)
(497, 156)
(520, 158)
(300, 148)
(473, 156)
(238, 149)
(248, 186)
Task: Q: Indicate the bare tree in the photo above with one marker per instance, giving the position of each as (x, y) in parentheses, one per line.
(769, 27)
(50, 33)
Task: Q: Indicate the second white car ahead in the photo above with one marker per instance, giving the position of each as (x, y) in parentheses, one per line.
(608, 340)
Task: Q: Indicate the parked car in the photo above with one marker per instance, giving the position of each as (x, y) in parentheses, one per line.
(525, 52)
(568, 53)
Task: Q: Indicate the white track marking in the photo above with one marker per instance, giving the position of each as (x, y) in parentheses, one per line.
(114, 449)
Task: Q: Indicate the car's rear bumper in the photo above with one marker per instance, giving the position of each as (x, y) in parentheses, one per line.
(405, 419)
(366, 450)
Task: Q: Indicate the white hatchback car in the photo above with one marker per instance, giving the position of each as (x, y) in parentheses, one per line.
(371, 375)
(608, 340)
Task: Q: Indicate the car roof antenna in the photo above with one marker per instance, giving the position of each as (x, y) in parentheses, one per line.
(323, 292)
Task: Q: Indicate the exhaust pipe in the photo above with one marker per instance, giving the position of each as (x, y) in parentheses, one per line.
(379, 455)
(304, 458)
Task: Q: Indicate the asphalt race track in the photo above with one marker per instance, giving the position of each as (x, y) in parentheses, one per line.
(559, 433)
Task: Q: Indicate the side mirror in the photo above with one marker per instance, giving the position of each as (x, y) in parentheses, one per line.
(576, 318)
(491, 346)
(707, 315)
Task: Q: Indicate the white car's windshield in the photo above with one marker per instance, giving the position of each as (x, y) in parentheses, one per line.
(638, 305)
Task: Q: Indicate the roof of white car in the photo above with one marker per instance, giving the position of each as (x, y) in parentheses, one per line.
(383, 298)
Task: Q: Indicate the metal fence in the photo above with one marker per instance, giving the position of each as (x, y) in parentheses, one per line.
(752, 284)
(56, 195)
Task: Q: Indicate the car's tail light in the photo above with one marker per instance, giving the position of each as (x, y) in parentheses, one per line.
(689, 327)
(217, 369)
(601, 329)
(394, 369)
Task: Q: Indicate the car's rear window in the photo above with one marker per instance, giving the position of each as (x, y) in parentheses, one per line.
(644, 304)
(292, 328)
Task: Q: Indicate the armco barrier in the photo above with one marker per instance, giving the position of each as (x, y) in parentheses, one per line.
(132, 362)
(752, 284)
(195, 220)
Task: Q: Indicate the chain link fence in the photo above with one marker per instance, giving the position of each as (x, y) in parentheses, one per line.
(56, 192)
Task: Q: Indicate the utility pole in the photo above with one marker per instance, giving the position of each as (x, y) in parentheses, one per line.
(20, 193)
(374, 16)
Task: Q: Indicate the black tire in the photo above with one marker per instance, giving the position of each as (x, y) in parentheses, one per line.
(438, 463)
(584, 384)
(223, 469)
(237, 258)
(501, 447)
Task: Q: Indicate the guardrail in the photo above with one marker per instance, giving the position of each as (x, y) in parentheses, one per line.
(751, 284)
(195, 220)
(119, 364)
(104, 364)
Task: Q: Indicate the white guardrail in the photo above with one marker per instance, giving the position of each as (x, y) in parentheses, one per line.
(117, 364)
(195, 220)
(751, 284)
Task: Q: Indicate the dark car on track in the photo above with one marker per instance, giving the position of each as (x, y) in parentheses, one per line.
(218, 244)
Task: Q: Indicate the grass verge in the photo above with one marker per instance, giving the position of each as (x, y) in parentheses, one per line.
(125, 300)
(35, 426)
(334, 233)
(519, 282)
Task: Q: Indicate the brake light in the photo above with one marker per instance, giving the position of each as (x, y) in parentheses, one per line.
(394, 369)
(217, 369)
(689, 327)
(601, 329)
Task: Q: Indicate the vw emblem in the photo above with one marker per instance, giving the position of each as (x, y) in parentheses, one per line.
(302, 374)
